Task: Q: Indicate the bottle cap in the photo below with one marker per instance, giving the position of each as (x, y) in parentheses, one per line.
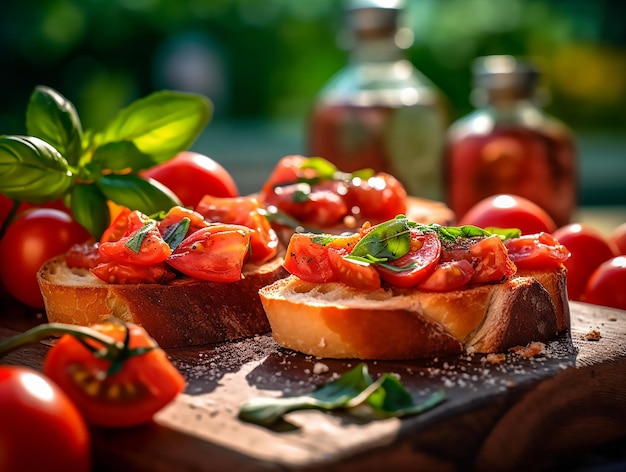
(371, 18)
(499, 73)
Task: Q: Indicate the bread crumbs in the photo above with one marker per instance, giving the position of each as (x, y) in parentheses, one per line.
(593, 335)
(535, 348)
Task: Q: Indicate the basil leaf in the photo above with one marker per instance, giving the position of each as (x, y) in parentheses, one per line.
(146, 195)
(32, 170)
(386, 396)
(387, 241)
(134, 243)
(119, 156)
(90, 209)
(325, 169)
(53, 118)
(160, 125)
(175, 234)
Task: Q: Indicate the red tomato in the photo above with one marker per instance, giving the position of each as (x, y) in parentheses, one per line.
(152, 248)
(509, 211)
(420, 261)
(114, 272)
(41, 428)
(307, 255)
(287, 171)
(589, 248)
(381, 197)
(618, 238)
(216, 253)
(191, 175)
(33, 238)
(606, 284)
(360, 276)
(448, 276)
(244, 211)
(130, 396)
(537, 251)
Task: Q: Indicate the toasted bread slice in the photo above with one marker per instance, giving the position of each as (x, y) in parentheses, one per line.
(181, 313)
(333, 320)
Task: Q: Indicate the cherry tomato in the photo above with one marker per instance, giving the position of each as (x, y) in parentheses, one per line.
(41, 428)
(191, 175)
(287, 171)
(448, 276)
(216, 253)
(33, 238)
(420, 261)
(509, 211)
(589, 248)
(381, 197)
(618, 238)
(130, 396)
(537, 251)
(606, 284)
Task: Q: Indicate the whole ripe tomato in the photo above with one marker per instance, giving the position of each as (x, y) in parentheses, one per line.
(588, 248)
(34, 237)
(618, 238)
(509, 211)
(41, 429)
(606, 284)
(127, 396)
(191, 175)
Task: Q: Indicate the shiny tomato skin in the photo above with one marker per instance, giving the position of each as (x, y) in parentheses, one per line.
(381, 197)
(448, 276)
(120, 273)
(537, 251)
(606, 284)
(424, 256)
(41, 428)
(145, 384)
(589, 248)
(191, 175)
(216, 253)
(152, 250)
(360, 276)
(618, 238)
(509, 211)
(34, 237)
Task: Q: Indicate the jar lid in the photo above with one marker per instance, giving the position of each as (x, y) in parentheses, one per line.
(504, 73)
(373, 17)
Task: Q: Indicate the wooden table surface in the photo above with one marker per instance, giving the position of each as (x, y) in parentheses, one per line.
(561, 407)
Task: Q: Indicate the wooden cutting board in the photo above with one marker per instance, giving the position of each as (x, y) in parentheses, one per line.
(518, 414)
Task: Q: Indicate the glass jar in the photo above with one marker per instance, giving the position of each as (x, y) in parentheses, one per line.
(379, 111)
(510, 145)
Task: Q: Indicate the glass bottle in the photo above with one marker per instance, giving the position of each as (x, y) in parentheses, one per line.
(508, 144)
(379, 111)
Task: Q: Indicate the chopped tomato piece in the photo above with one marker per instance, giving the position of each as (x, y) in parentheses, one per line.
(320, 207)
(537, 251)
(176, 214)
(216, 253)
(381, 196)
(126, 222)
(244, 211)
(421, 260)
(361, 276)
(127, 273)
(448, 276)
(145, 246)
(491, 260)
(307, 255)
(85, 256)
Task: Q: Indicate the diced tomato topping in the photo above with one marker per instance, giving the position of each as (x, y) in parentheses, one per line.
(85, 256)
(148, 249)
(176, 215)
(537, 251)
(355, 274)
(127, 273)
(216, 253)
(448, 276)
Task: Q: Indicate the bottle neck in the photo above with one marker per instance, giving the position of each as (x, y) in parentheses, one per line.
(378, 49)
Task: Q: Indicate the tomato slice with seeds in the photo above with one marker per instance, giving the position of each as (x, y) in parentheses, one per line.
(114, 272)
(131, 396)
(537, 251)
(176, 214)
(125, 223)
(415, 265)
(216, 253)
(152, 247)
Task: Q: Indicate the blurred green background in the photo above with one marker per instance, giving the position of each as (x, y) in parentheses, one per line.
(262, 62)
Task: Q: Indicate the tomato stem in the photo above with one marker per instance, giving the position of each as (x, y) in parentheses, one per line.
(49, 330)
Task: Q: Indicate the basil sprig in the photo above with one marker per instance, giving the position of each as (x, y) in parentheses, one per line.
(386, 397)
(324, 171)
(58, 159)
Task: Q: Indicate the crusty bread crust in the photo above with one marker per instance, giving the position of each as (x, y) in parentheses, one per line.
(333, 320)
(182, 313)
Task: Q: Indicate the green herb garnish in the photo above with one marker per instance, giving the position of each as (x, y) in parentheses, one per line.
(57, 159)
(385, 396)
